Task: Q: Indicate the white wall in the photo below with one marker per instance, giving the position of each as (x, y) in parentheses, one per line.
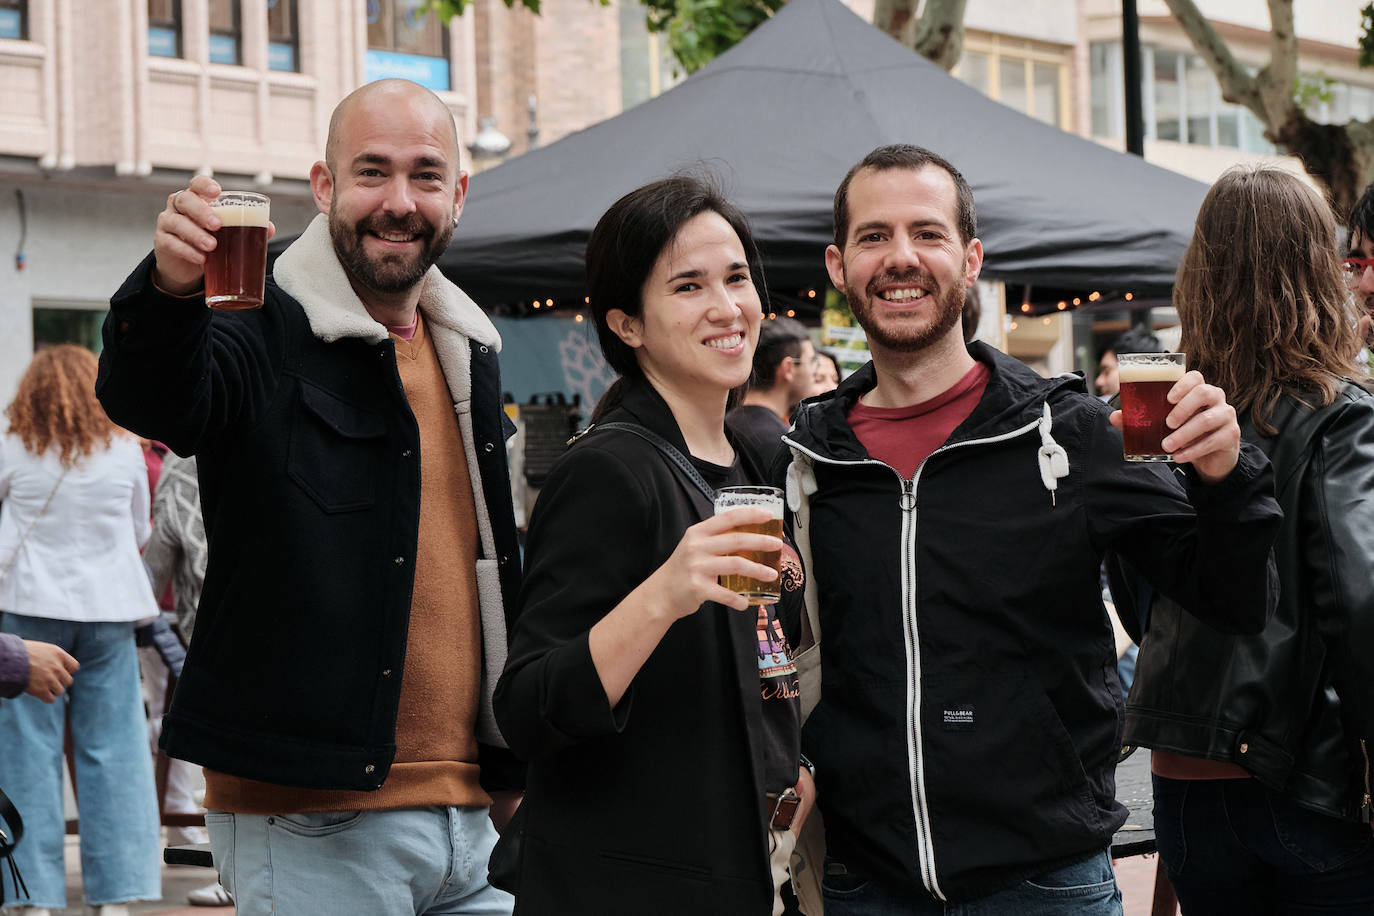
(1334, 21)
(1043, 20)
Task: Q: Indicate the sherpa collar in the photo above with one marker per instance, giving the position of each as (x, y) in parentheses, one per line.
(309, 271)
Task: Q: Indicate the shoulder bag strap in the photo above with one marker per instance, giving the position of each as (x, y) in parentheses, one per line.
(668, 450)
(14, 557)
(11, 832)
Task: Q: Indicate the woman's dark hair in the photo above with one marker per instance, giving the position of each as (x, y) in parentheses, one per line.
(625, 246)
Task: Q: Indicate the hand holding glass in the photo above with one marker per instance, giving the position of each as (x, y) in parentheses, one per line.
(1146, 379)
(727, 498)
(236, 268)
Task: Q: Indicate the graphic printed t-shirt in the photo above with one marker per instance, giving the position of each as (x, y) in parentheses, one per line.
(778, 687)
(903, 437)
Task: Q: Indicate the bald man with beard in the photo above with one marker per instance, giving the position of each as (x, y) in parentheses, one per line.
(362, 548)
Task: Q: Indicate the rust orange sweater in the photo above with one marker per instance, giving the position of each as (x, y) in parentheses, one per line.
(436, 749)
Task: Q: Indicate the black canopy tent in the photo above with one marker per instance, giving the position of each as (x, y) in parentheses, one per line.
(778, 120)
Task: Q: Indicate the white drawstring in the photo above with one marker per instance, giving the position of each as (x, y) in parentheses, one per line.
(1054, 461)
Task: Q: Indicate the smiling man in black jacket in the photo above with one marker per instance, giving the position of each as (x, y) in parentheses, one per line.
(362, 550)
(955, 507)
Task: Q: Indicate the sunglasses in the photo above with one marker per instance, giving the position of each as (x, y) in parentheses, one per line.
(1352, 270)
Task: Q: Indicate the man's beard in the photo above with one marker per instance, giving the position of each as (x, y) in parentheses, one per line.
(389, 273)
(906, 332)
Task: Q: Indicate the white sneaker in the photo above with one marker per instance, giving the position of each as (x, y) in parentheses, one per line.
(210, 895)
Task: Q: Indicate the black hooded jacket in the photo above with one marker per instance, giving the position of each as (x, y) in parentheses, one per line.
(970, 715)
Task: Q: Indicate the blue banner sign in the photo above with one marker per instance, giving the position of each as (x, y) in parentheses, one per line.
(430, 72)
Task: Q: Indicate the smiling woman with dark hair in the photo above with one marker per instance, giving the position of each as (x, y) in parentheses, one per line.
(657, 708)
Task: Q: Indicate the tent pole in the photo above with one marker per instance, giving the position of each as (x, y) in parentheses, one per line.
(1135, 116)
(1130, 54)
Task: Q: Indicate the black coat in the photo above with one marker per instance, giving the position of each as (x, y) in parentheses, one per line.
(970, 715)
(655, 805)
(309, 464)
(1294, 704)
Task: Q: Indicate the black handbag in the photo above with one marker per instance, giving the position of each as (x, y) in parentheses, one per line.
(11, 832)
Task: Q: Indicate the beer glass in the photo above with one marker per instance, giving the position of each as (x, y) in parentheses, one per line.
(728, 498)
(1145, 382)
(236, 269)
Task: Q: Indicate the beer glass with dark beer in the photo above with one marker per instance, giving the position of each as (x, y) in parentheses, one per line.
(1145, 382)
(728, 498)
(237, 267)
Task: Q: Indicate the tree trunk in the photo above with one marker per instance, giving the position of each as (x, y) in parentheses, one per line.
(937, 34)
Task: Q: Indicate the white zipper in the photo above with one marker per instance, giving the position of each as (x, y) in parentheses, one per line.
(920, 810)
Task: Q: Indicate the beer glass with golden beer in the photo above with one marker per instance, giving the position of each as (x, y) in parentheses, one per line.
(1145, 382)
(236, 269)
(728, 498)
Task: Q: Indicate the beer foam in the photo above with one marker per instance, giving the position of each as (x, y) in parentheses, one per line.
(1157, 372)
(242, 215)
(726, 501)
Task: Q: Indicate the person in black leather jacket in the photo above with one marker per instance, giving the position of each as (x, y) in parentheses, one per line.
(1262, 742)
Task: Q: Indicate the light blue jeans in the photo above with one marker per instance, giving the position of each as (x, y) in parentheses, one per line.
(120, 833)
(383, 863)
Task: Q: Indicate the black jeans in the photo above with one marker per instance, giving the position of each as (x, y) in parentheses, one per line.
(1233, 846)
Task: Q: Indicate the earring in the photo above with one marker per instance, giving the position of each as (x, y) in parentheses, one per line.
(455, 222)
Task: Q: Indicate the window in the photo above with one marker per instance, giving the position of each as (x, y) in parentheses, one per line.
(1107, 96)
(1199, 87)
(14, 19)
(164, 28)
(1045, 92)
(1182, 101)
(1168, 98)
(58, 325)
(1028, 76)
(405, 40)
(283, 35)
(647, 65)
(1011, 84)
(973, 69)
(404, 26)
(226, 32)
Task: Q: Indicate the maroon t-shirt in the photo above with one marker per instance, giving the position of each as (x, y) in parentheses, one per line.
(903, 437)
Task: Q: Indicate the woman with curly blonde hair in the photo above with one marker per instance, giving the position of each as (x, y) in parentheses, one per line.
(74, 509)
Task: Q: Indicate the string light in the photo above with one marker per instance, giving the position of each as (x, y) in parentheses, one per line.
(548, 302)
(1130, 296)
(791, 313)
(1026, 307)
(1047, 319)
(586, 300)
(811, 294)
(1062, 305)
(1094, 296)
(1013, 326)
(1077, 301)
(772, 315)
(536, 303)
(577, 318)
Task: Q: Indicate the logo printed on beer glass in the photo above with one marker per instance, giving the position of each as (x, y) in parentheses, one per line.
(728, 498)
(236, 270)
(1146, 379)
